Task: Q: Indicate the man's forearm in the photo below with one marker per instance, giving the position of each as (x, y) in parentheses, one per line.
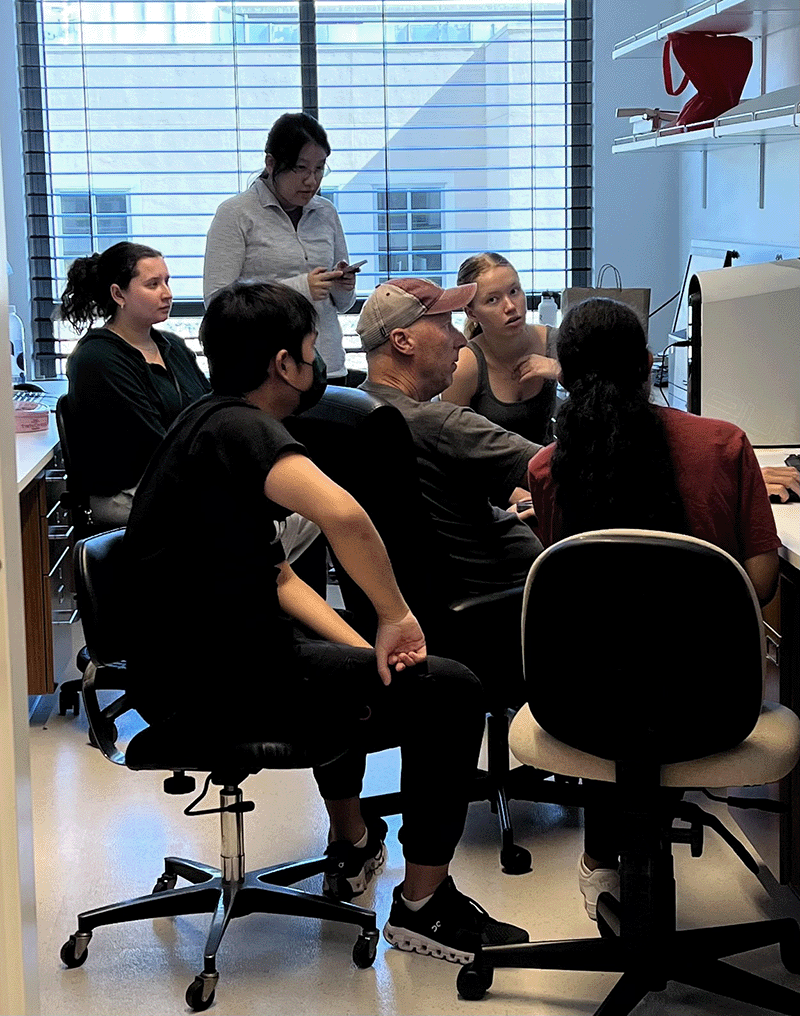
(361, 552)
(304, 604)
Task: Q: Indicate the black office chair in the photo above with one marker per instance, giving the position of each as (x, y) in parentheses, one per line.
(366, 447)
(76, 501)
(658, 644)
(225, 892)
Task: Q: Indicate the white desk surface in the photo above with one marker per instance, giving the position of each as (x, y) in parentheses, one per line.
(34, 451)
(787, 516)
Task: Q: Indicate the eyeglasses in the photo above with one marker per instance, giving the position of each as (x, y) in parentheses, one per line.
(302, 172)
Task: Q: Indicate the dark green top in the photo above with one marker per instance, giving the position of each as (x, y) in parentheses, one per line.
(122, 405)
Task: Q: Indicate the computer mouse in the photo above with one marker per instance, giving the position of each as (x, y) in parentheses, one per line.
(792, 499)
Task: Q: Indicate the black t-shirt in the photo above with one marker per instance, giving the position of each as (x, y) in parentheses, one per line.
(203, 559)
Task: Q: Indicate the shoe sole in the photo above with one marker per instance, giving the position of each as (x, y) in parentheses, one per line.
(591, 908)
(409, 941)
(339, 887)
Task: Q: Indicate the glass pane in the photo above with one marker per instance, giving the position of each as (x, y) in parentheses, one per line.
(110, 203)
(75, 204)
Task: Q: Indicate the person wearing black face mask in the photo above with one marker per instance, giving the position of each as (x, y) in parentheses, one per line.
(254, 672)
(310, 396)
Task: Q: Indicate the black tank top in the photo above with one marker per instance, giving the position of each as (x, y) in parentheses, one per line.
(532, 419)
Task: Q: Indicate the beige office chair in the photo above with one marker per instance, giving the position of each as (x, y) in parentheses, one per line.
(658, 643)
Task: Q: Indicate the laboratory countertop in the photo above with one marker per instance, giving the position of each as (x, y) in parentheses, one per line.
(34, 451)
(787, 516)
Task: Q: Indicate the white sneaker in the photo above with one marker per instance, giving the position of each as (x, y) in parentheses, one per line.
(592, 883)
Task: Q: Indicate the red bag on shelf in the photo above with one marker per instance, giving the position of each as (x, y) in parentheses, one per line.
(717, 66)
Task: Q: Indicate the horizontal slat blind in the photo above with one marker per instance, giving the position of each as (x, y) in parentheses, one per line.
(453, 128)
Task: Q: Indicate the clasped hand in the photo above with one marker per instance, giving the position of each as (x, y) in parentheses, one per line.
(399, 644)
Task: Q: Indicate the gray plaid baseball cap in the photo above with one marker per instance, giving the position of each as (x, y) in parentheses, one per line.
(401, 302)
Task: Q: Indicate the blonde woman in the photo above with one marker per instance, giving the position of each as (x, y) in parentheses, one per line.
(507, 372)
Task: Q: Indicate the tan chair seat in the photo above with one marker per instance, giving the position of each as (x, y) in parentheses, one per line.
(767, 755)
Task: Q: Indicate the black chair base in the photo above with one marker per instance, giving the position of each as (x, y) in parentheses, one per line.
(264, 892)
(690, 957)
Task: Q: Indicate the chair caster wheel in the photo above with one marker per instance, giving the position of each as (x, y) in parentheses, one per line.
(71, 957)
(474, 981)
(515, 860)
(365, 949)
(165, 882)
(200, 993)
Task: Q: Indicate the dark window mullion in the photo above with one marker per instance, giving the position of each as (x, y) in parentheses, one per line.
(35, 150)
(580, 124)
(308, 57)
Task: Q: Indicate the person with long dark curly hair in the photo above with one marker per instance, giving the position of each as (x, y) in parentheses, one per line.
(619, 461)
(127, 379)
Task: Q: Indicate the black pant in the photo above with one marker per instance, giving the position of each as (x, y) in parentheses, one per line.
(601, 820)
(434, 713)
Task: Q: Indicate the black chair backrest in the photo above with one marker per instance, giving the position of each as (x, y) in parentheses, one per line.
(365, 446)
(642, 646)
(77, 498)
(103, 600)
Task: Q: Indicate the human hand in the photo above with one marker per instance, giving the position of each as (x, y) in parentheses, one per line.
(524, 509)
(780, 480)
(399, 644)
(348, 279)
(534, 366)
(320, 281)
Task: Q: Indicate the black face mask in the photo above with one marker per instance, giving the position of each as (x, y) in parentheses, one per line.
(319, 382)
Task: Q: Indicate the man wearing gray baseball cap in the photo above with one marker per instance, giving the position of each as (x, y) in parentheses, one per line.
(467, 464)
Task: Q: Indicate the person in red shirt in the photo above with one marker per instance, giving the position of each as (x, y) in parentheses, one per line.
(622, 462)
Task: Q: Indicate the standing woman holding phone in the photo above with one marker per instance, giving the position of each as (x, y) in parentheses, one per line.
(281, 230)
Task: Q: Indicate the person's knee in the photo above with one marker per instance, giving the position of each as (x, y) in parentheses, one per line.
(456, 685)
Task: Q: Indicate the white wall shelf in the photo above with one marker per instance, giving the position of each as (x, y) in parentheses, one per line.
(781, 123)
(739, 17)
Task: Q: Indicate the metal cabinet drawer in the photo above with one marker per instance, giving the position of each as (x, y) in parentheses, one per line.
(55, 485)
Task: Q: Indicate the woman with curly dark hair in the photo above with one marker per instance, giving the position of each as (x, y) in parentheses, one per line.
(621, 462)
(127, 380)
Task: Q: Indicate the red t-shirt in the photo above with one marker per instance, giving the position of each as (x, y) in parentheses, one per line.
(718, 478)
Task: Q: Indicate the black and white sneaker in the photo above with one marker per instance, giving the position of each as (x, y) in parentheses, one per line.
(449, 927)
(352, 869)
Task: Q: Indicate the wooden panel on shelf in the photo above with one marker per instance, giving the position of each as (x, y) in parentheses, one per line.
(732, 129)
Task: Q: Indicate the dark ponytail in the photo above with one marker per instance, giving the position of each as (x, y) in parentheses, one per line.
(87, 296)
(611, 465)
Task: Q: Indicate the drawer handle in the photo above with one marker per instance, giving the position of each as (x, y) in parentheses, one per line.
(73, 616)
(59, 532)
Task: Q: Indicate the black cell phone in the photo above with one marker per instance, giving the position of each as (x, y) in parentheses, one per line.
(523, 506)
(793, 460)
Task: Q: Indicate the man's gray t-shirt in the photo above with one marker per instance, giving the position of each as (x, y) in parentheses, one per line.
(465, 463)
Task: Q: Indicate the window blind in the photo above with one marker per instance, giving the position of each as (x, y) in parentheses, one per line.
(455, 127)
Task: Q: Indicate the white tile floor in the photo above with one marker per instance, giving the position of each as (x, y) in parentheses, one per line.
(102, 831)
